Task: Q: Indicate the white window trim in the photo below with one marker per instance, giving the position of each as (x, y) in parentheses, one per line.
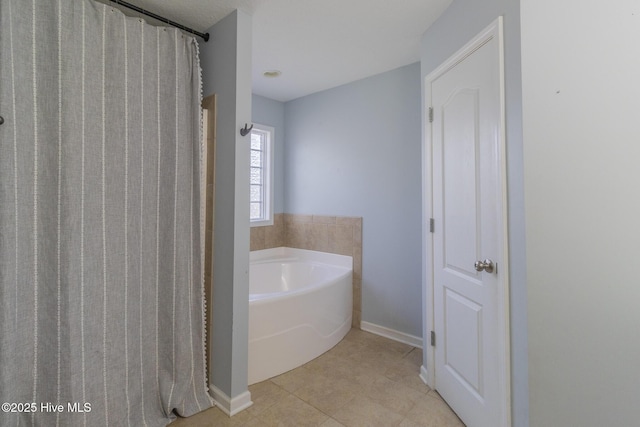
(269, 176)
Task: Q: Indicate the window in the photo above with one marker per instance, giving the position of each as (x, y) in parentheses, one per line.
(261, 207)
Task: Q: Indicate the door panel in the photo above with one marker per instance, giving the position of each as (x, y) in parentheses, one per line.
(463, 346)
(459, 124)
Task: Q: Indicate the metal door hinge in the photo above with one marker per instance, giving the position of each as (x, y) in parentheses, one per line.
(433, 338)
(432, 225)
(430, 114)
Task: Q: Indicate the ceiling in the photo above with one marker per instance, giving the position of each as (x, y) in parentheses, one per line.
(316, 44)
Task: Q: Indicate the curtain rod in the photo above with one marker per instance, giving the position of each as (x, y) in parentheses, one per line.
(204, 36)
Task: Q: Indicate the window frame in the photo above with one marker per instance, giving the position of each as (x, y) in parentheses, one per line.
(267, 176)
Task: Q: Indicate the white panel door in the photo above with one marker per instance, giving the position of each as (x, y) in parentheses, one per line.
(470, 309)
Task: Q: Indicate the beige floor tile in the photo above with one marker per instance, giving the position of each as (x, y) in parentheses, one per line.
(391, 347)
(333, 366)
(374, 354)
(357, 335)
(392, 395)
(435, 394)
(348, 345)
(331, 423)
(264, 395)
(293, 412)
(364, 412)
(294, 379)
(408, 423)
(433, 412)
(415, 357)
(405, 372)
(325, 363)
(369, 343)
(365, 380)
(376, 341)
(329, 394)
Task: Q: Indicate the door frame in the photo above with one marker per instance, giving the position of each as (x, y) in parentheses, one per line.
(207, 209)
(427, 373)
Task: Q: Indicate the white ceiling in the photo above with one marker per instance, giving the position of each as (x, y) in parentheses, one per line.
(316, 44)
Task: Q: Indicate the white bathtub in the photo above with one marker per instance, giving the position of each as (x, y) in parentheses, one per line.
(300, 305)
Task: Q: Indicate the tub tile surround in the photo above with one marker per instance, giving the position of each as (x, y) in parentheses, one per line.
(334, 234)
(269, 236)
(365, 380)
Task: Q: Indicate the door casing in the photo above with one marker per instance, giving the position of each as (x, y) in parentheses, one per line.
(428, 373)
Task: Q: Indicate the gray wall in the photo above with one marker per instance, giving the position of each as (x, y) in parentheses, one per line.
(355, 151)
(581, 104)
(226, 71)
(459, 24)
(269, 112)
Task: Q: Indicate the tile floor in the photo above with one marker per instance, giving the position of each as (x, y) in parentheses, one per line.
(366, 380)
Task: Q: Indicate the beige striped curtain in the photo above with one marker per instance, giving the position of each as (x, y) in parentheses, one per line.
(101, 291)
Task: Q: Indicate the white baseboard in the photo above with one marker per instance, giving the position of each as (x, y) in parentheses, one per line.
(391, 334)
(231, 406)
(424, 375)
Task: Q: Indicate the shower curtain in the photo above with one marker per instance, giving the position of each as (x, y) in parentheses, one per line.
(101, 292)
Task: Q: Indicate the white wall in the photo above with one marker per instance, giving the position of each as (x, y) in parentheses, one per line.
(581, 105)
(226, 71)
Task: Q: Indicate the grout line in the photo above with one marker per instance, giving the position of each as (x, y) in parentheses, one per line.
(404, 356)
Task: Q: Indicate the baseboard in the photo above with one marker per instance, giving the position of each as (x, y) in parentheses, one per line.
(391, 334)
(231, 406)
(424, 375)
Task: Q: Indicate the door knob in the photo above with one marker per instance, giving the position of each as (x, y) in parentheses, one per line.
(486, 265)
